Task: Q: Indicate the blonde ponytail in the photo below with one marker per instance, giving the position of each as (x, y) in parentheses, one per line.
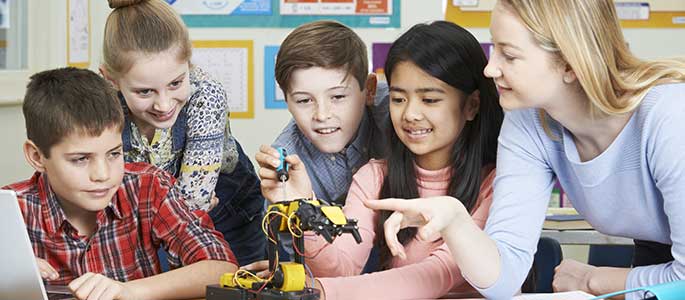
(141, 27)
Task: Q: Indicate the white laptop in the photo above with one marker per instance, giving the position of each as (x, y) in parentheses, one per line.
(19, 275)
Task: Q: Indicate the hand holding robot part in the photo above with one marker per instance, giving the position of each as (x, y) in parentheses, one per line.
(297, 185)
(283, 166)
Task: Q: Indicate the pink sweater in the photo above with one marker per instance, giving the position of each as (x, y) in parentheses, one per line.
(429, 270)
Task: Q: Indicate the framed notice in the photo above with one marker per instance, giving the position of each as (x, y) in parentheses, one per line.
(287, 13)
(230, 63)
(631, 13)
(78, 33)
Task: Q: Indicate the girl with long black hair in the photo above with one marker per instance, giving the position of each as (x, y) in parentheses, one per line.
(445, 122)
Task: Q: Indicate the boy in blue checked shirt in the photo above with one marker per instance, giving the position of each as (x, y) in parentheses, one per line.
(339, 120)
(96, 223)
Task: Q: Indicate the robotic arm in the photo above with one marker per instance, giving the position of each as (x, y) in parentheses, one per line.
(287, 280)
(325, 220)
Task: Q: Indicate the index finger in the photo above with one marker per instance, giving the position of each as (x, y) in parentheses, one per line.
(46, 270)
(266, 160)
(75, 284)
(45, 265)
(393, 204)
(256, 266)
(268, 150)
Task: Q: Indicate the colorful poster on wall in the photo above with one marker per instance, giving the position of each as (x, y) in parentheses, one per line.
(287, 13)
(4, 14)
(631, 13)
(336, 7)
(222, 7)
(273, 95)
(231, 63)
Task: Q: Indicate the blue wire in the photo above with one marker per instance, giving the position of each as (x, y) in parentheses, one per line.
(311, 275)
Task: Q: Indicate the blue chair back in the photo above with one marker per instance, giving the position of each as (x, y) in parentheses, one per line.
(619, 256)
(547, 257)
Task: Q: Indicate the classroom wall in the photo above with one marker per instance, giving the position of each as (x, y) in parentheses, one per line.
(646, 43)
(47, 35)
(250, 132)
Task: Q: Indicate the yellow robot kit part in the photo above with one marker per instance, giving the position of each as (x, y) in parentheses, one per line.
(287, 279)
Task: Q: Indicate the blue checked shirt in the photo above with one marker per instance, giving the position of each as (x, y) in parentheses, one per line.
(331, 173)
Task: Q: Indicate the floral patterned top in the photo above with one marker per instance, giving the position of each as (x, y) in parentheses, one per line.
(196, 148)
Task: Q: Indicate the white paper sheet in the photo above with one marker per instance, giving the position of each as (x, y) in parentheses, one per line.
(230, 67)
(575, 295)
(79, 38)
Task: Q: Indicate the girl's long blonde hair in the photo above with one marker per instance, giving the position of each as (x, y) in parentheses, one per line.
(586, 35)
(144, 27)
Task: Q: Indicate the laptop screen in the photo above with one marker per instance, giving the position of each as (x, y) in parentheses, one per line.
(19, 276)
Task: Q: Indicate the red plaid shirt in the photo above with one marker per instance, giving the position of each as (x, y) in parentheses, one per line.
(145, 214)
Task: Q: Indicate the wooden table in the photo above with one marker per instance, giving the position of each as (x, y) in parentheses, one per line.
(585, 237)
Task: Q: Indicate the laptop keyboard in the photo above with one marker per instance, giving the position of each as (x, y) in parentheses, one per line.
(58, 296)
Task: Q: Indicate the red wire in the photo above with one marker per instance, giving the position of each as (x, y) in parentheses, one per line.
(271, 234)
(309, 257)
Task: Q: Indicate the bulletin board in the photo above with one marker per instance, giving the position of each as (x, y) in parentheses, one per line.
(231, 63)
(288, 13)
(660, 13)
(273, 95)
(78, 33)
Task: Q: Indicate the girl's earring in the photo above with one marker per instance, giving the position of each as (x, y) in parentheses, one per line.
(569, 76)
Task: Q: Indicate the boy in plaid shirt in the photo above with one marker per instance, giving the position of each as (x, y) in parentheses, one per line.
(96, 223)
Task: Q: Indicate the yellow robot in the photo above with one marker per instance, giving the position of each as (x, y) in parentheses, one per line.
(287, 280)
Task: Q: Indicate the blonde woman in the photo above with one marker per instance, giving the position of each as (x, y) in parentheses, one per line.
(584, 110)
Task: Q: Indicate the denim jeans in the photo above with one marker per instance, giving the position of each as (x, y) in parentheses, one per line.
(238, 216)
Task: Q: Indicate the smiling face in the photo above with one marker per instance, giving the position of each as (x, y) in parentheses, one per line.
(526, 75)
(427, 114)
(155, 89)
(327, 106)
(85, 171)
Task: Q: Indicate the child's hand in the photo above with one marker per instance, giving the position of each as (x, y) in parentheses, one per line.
(213, 202)
(571, 275)
(431, 215)
(259, 268)
(97, 286)
(298, 185)
(46, 270)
